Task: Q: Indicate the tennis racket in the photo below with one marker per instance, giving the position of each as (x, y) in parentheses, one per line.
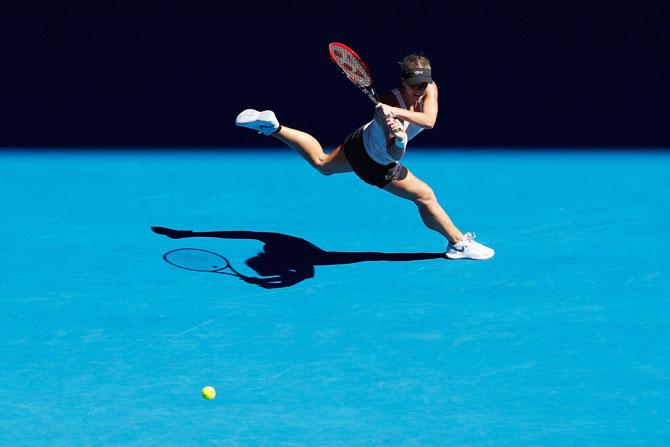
(353, 67)
(199, 260)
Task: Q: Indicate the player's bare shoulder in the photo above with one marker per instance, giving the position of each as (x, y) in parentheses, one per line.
(430, 104)
(431, 90)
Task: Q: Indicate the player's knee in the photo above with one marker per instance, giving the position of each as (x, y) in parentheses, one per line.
(323, 167)
(425, 196)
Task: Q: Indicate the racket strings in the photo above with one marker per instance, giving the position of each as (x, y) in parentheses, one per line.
(197, 260)
(352, 67)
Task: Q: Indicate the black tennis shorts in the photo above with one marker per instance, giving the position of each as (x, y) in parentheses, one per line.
(365, 167)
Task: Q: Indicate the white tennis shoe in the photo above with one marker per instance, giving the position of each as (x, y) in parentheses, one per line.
(468, 248)
(264, 122)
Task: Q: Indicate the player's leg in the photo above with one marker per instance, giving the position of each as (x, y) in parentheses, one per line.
(306, 145)
(461, 246)
(432, 214)
(310, 149)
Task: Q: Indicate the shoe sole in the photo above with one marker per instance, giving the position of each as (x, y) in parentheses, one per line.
(253, 119)
(460, 256)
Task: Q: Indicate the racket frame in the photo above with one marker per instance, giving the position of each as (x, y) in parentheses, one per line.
(369, 90)
(217, 270)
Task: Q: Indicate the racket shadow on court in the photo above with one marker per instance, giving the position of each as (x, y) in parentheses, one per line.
(285, 260)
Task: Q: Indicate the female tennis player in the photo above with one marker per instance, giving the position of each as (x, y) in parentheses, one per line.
(374, 150)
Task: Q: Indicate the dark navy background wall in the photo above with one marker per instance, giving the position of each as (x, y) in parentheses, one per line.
(519, 74)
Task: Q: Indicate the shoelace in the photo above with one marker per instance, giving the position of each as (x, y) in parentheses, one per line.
(469, 236)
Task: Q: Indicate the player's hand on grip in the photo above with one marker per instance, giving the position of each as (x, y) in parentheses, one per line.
(396, 127)
(386, 110)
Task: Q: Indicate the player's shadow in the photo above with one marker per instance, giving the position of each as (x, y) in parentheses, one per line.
(287, 260)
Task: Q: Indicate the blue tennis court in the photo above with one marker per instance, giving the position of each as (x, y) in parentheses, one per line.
(355, 331)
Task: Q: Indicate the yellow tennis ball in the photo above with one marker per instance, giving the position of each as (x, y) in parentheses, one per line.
(209, 392)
